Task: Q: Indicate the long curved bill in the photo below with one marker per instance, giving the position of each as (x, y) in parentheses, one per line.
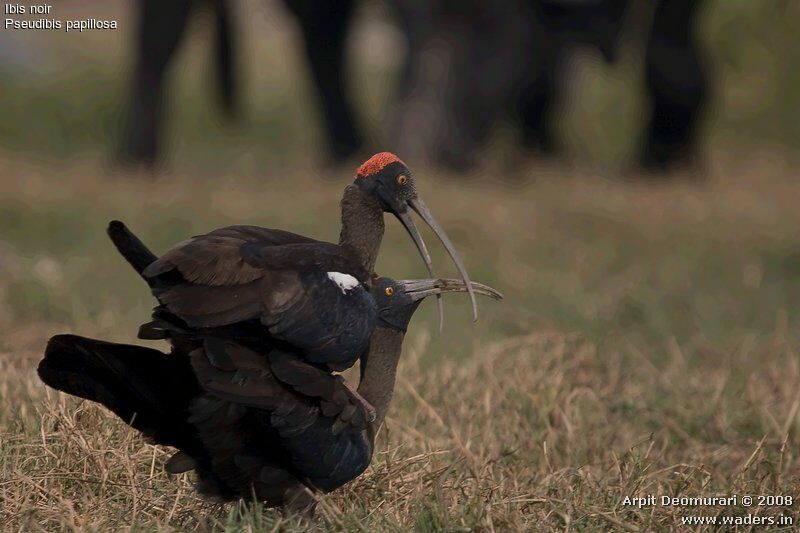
(422, 210)
(418, 289)
(408, 223)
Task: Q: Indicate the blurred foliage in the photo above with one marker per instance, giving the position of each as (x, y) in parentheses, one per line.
(755, 56)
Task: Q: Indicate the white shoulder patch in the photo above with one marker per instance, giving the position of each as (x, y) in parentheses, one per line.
(344, 281)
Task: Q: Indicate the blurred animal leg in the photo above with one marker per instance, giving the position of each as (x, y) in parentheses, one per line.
(536, 96)
(324, 26)
(227, 68)
(533, 107)
(416, 113)
(161, 26)
(677, 86)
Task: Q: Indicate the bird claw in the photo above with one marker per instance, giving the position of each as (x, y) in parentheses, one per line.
(366, 407)
(338, 426)
(348, 412)
(179, 463)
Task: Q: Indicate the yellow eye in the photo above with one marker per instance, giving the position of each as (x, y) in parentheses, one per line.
(389, 291)
(402, 179)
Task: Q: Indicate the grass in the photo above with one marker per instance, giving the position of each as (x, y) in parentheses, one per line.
(648, 343)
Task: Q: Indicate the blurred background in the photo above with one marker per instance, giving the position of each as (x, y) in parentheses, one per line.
(624, 171)
(612, 83)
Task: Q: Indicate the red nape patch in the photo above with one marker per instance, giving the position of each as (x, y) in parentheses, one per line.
(376, 163)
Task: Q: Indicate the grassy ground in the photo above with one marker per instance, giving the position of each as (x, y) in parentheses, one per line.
(648, 343)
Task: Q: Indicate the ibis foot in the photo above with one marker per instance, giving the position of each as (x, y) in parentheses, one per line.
(301, 500)
(367, 408)
(180, 463)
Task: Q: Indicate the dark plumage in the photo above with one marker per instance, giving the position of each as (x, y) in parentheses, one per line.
(268, 424)
(257, 318)
(307, 293)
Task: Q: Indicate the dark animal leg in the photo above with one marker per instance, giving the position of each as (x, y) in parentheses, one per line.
(161, 26)
(324, 27)
(226, 58)
(536, 94)
(676, 84)
(534, 110)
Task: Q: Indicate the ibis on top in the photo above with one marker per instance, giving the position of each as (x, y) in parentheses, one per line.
(311, 294)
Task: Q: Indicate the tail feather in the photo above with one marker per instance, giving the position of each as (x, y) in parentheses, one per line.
(147, 389)
(131, 248)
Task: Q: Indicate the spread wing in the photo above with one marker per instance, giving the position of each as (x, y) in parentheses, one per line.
(319, 419)
(242, 273)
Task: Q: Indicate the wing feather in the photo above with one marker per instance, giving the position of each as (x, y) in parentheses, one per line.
(316, 417)
(243, 273)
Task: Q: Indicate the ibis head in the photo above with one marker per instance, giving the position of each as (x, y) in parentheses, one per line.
(397, 300)
(388, 180)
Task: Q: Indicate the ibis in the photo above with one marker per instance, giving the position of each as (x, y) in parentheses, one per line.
(271, 425)
(310, 294)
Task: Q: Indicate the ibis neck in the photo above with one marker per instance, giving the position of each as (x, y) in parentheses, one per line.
(362, 228)
(379, 371)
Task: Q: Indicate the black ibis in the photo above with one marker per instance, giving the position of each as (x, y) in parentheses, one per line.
(271, 426)
(308, 293)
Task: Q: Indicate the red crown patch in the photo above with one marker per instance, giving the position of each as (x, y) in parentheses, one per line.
(376, 163)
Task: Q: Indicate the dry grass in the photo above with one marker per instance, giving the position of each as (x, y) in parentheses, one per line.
(648, 345)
